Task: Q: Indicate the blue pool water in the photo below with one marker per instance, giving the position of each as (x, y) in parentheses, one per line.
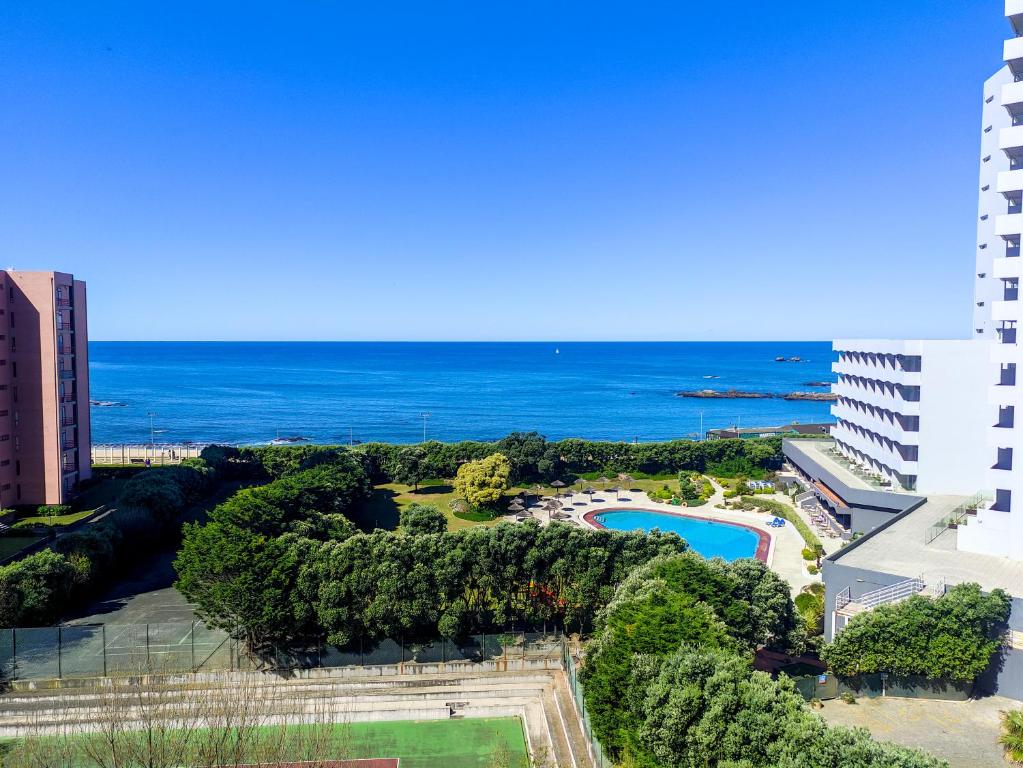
(706, 537)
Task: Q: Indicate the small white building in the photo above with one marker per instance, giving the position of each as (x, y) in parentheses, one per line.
(909, 412)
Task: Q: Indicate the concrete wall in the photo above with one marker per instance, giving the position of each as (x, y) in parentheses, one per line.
(954, 417)
(837, 578)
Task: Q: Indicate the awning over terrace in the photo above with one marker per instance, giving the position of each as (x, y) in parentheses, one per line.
(830, 495)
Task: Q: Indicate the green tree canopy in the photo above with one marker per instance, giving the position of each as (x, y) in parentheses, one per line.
(952, 637)
(481, 483)
(417, 519)
(410, 466)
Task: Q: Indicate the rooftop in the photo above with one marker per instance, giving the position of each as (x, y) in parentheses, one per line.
(821, 460)
(900, 549)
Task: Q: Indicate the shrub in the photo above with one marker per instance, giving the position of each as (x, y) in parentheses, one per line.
(35, 590)
(53, 510)
(788, 513)
(166, 491)
(812, 569)
(417, 519)
(809, 554)
(952, 637)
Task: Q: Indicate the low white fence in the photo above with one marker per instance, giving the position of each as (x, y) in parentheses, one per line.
(157, 455)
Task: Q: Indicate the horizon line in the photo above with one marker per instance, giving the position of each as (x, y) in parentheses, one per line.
(462, 341)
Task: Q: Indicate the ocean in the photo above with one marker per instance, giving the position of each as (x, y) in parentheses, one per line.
(254, 392)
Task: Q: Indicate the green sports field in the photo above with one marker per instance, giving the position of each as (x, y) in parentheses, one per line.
(469, 743)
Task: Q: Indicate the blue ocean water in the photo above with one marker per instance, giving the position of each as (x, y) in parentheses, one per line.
(706, 537)
(251, 392)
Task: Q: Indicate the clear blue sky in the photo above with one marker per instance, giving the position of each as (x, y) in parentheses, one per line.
(522, 170)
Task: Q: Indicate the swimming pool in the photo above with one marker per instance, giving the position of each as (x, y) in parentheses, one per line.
(710, 538)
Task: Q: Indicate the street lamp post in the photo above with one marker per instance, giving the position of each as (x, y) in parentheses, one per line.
(152, 434)
(425, 417)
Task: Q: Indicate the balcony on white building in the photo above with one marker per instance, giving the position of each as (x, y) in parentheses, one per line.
(1012, 98)
(885, 398)
(1010, 140)
(876, 448)
(1008, 268)
(1014, 12)
(1009, 225)
(1012, 54)
(877, 422)
(1006, 310)
(1010, 181)
(875, 370)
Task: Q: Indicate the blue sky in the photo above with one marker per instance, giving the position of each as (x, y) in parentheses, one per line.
(499, 171)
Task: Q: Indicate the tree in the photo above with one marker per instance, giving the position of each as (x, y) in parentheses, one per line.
(417, 519)
(525, 452)
(651, 624)
(155, 491)
(708, 707)
(241, 581)
(952, 637)
(481, 483)
(410, 466)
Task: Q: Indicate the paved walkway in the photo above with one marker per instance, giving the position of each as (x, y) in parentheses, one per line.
(784, 556)
(965, 733)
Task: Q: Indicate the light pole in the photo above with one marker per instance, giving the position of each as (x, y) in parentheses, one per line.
(152, 434)
(701, 426)
(425, 417)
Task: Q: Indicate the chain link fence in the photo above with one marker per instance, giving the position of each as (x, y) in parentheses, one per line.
(100, 650)
(600, 760)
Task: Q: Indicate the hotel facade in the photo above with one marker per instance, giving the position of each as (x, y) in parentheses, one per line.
(44, 388)
(923, 474)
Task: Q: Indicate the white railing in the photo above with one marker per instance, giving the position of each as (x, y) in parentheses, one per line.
(892, 593)
(843, 598)
(804, 496)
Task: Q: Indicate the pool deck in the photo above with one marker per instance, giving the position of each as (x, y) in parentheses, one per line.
(784, 550)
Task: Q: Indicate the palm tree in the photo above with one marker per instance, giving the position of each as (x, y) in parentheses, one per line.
(1012, 735)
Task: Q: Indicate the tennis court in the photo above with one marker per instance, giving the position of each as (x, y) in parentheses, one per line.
(95, 650)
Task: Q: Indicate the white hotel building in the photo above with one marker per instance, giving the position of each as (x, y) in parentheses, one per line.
(940, 417)
(998, 529)
(925, 468)
(908, 411)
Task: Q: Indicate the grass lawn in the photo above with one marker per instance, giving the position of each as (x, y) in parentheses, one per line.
(469, 743)
(73, 517)
(11, 545)
(384, 506)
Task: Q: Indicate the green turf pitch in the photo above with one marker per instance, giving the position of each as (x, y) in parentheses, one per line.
(469, 743)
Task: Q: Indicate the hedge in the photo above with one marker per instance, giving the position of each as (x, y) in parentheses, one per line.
(788, 513)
